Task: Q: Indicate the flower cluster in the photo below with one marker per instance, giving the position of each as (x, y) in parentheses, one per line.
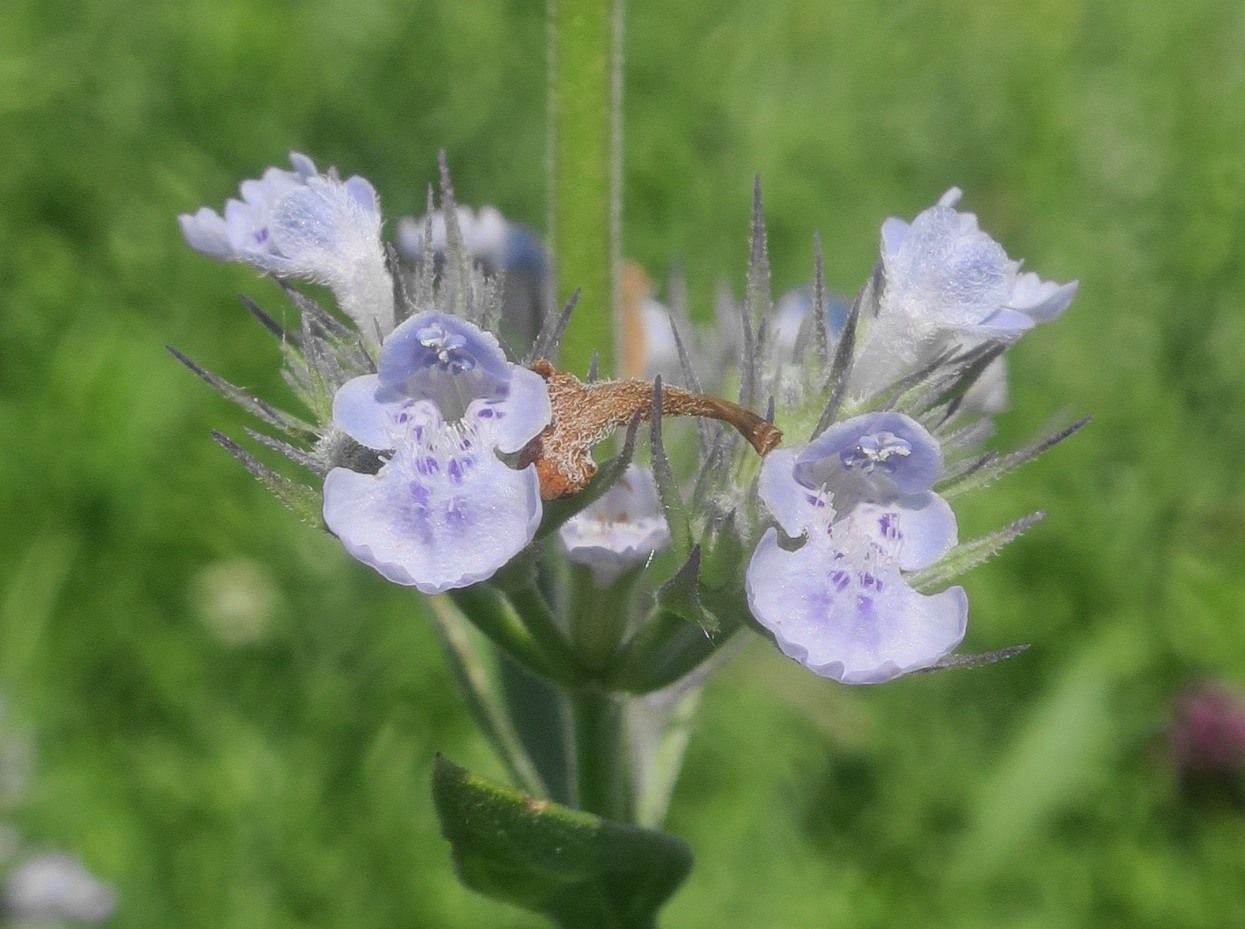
(444, 460)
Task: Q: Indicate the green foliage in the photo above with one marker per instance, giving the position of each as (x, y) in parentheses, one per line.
(582, 871)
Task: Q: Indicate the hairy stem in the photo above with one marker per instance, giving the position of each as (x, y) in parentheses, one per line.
(585, 185)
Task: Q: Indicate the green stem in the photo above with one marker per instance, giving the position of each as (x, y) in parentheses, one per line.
(585, 177)
(666, 648)
(489, 612)
(598, 618)
(533, 611)
(601, 770)
(479, 687)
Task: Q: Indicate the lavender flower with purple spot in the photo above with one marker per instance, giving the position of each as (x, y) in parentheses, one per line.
(859, 496)
(444, 511)
(620, 531)
(877, 457)
(305, 225)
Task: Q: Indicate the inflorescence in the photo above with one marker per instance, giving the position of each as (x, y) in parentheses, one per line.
(449, 452)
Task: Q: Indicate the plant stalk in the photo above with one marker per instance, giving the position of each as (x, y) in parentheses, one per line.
(584, 165)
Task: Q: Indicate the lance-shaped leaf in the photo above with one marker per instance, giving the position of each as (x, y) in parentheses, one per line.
(301, 499)
(672, 504)
(296, 373)
(300, 457)
(973, 365)
(479, 685)
(491, 303)
(968, 555)
(714, 467)
(681, 595)
(665, 649)
(692, 383)
(969, 437)
(724, 557)
(423, 292)
(324, 372)
(551, 332)
(845, 352)
(266, 321)
(756, 304)
(821, 337)
(577, 869)
(457, 259)
(404, 284)
(325, 323)
(290, 425)
(904, 393)
(952, 662)
(557, 512)
(991, 466)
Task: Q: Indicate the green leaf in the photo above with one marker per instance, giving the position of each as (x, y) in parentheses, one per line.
(968, 555)
(681, 595)
(991, 466)
(304, 501)
(672, 505)
(581, 871)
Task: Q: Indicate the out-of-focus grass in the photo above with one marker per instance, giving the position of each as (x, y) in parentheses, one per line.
(275, 773)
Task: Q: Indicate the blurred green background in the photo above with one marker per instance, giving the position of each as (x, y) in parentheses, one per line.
(236, 721)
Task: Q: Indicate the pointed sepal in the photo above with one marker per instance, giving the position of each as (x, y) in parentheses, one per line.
(304, 501)
(681, 595)
(968, 555)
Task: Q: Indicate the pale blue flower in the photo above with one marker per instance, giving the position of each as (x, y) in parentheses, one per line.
(877, 457)
(841, 607)
(486, 234)
(859, 497)
(309, 226)
(791, 317)
(946, 281)
(620, 531)
(459, 368)
(55, 887)
(444, 511)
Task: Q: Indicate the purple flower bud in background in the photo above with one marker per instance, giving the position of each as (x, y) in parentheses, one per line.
(444, 511)
(620, 531)
(503, 247)
(53, 888)
(308, 226)
(791, 313)
(485, 234)
(1207, 736)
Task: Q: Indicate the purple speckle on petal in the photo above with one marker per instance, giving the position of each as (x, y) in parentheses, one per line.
(444, 511)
